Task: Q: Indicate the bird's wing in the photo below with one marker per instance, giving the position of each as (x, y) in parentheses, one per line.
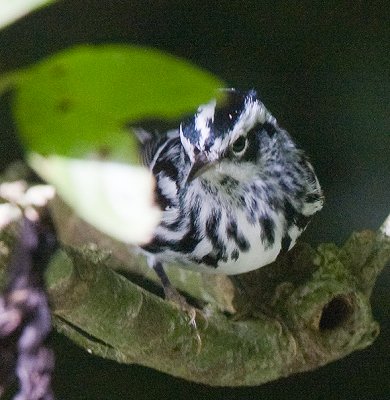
(149, 144)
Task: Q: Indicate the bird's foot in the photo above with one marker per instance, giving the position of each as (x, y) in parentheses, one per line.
(196, 317)
(172, 295)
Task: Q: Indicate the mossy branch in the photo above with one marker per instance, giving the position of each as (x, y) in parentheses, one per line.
(307, 309)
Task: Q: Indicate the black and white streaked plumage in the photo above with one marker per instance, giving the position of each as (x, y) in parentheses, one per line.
(234, 189)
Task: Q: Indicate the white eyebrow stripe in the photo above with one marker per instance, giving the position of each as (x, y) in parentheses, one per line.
(254, 113)
(204, 116)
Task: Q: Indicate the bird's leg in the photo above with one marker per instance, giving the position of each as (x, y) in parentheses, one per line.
(172, 294)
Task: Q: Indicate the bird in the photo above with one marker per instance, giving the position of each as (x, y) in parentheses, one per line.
(234, 188)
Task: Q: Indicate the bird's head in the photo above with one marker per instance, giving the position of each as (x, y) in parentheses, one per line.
(223, 132)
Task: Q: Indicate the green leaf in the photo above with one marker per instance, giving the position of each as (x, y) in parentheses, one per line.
(10, 11)
(72, 112)
(79, 102)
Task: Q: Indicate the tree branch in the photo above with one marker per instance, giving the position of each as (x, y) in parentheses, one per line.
(307, 309)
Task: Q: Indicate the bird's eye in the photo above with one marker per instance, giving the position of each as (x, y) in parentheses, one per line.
(239, 145)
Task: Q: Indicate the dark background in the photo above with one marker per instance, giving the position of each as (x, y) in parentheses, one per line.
(322, 69)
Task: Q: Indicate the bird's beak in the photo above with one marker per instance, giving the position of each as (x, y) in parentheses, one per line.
(200, 166)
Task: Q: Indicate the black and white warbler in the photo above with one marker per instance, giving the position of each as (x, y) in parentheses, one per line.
(234, 189)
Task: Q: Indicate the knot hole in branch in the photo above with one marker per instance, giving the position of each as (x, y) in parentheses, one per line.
(336, 312)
